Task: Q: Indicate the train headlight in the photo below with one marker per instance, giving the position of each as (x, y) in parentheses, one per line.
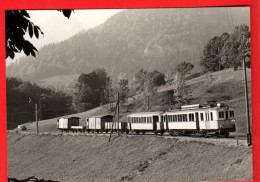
(233, 121)
(221, 126)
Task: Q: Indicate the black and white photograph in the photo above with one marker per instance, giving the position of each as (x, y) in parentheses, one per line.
(156, 94)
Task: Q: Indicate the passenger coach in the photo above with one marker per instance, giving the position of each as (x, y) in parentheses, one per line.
(144, 121)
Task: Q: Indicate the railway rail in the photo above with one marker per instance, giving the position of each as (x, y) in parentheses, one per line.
(230, 141)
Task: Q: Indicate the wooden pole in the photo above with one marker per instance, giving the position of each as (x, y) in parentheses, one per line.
(112, 124)
(36, 119)
(249, 136)
(118, 101)
(40, 110)
(236, 134)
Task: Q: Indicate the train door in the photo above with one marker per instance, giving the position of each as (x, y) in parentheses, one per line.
(226, 115)
(166, 122)
(207, 120)
(155, 120)
(197, 120)
(162, 123)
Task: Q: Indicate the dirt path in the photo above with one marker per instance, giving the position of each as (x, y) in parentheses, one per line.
(128, 158)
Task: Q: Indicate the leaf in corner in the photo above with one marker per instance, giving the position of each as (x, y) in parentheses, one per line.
(67, 13)
(30, 28)
(26, 51)
(33, 53)
(36, 32)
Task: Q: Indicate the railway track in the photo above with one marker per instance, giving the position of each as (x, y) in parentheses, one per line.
(231, 140)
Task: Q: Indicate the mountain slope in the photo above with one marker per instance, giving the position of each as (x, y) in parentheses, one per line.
(129, 40)
(222, 86)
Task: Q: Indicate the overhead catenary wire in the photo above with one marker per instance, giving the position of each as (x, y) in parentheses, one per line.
(229, 21)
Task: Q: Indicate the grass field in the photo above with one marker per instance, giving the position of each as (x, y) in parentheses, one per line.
(84, 158)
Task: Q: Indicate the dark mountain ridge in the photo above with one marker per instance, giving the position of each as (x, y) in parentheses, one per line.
(130, 40)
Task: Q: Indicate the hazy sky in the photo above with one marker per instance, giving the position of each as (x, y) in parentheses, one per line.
(88, 18)
(57, 27)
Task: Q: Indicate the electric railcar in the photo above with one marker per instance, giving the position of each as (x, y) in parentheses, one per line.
(218, 120)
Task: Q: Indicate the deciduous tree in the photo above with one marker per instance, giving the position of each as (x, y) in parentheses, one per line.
(17, 24)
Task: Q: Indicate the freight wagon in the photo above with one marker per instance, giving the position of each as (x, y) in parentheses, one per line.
(69, 124)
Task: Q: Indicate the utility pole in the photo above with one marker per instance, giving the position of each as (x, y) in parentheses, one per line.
(249, 135)
(113, 123)
(118, 101)
(36, 119)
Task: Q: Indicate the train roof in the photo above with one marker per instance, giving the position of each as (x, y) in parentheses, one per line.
(196, 109)
(101, 116)
(70, 117)
(145, 113)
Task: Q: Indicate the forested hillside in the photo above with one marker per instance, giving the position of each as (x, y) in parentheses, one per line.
(155, 39)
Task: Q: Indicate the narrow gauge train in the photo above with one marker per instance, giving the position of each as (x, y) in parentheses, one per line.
(189, 119)
(205, 120)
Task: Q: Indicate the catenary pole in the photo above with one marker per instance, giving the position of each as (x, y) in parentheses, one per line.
(36, 119)
(118, 113)
(249, 135)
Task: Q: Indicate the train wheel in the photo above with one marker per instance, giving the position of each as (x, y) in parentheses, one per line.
(127, 132)
(216, 135)
(226, 134)
(137, 132)
(162, 133)
(143, 132)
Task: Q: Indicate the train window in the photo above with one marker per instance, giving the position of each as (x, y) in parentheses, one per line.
(191, 117)
(201, 117)
(179, 118)
(185, 118)
(169, 118)
(231, 114)
(221, 114)
(211, 116)
(174, 118)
